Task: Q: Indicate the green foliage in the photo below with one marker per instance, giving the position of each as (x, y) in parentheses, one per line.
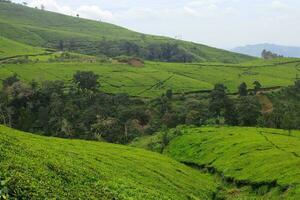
(266, 160)
(86, 80)
(243, 90)
(217, 99)
(257, 86)
(49, 168)
(9, 81)
(10, 48)
(285, 109)
(248, 110)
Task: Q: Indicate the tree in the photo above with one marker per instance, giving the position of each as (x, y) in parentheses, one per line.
(77, 15)
(290, 118)
(169, 94)
(257, 86)
(9, 81)
(248, 110)
(86, 80)
(230, 113)
(243, 91)
(61, 45)
(269, 55)
(297, 85)
(217, 98)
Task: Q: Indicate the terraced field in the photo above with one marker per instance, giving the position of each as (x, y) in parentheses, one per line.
(267, 160)
(9, 48)
(155, 78)
(36, 167)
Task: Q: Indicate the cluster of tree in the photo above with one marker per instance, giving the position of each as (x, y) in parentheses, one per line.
(269, 55)
(80, 110)
(286, 109)
(168, 52)
(243, 111)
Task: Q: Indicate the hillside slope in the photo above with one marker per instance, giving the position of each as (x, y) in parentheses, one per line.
(48, 29)
(264, 161)
(154, 78)
(9, 48)
(36, 167)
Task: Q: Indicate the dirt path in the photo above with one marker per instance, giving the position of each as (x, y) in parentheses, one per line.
(265, 102)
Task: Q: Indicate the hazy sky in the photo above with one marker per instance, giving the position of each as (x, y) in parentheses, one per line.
(219, 23)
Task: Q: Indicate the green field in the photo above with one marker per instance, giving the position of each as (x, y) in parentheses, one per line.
(36, 167)
(155, 78)
(267, 159)
(42, 28)
(9, 48)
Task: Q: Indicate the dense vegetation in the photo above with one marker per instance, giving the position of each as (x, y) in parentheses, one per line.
(35, 167)
(81, 110)
(285, 108)
(42, 28)
(264, 161)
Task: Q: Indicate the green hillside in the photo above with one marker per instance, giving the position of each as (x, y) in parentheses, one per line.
(48, 29)
(154, 78)
(266, 160)
(35, 167)
(9, 48)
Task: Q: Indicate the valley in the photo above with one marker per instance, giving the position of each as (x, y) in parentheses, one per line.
(92, 110)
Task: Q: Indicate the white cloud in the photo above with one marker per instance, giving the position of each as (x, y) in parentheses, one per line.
(279, 5)
(85, 11)
(94, 12)
(221, 23)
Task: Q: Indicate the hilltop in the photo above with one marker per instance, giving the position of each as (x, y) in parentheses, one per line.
(52, 30)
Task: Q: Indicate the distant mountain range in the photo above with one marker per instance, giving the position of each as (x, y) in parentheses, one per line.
(255, 50)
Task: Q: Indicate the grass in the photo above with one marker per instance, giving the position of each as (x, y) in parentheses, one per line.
(36, 167)
(138, 81)
(266, 159)
(42, 28)
(9, 48)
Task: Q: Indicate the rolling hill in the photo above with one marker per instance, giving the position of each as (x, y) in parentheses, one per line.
(264, 160)
(47, 29)
(255, 50)
(154, 78)
(36, 167)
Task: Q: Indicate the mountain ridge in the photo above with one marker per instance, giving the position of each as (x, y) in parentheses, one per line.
(256, 49)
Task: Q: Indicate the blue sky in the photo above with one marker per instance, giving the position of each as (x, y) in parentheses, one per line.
(219, 23)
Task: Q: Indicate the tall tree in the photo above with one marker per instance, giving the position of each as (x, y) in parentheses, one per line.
(243, 91)
(86, 80)
(217, 98)
(230, 113)
(248, 110)
(257, 86)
